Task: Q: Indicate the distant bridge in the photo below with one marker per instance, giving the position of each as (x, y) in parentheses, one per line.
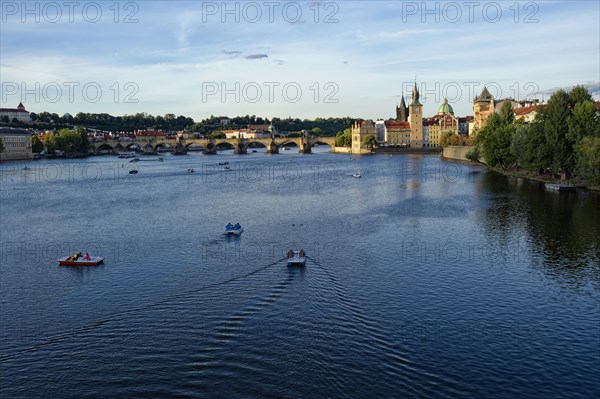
(151, 145)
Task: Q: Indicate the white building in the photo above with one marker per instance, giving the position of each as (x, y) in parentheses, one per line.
(19, 113)
(17, 144)
(380, 131)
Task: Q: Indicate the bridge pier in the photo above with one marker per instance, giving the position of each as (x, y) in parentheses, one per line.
(272, 148)
(240, 148)
(305, 148)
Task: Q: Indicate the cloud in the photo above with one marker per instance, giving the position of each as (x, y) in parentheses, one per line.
(256, 56)
(234, 52)
(279, 62)
(592, 87)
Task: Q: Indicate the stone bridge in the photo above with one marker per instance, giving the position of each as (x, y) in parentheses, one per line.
(151, 145)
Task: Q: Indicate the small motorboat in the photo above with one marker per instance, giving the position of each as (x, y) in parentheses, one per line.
(235, 230)
(254, 151)
(297, 258)
(560, 187)
(357, 175)
(191, 170)
(223, 163)
(129, 154)
(286, 148)
(82, 261)
(133, 172)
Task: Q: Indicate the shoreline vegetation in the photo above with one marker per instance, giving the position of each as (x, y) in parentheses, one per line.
(561, 144)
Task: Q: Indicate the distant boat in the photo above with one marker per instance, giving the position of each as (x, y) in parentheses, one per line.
(286, 148)
(69, 261)
(235, 230)
(254, 151)
(191, 170)
(223, 163)
(133, 172)
(129, 154)
(357, 175)
(296, 258)
(560, 187)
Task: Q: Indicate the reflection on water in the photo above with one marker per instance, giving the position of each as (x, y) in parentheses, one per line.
(424, 279)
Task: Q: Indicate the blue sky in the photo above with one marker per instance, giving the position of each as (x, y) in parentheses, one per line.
(352, 59)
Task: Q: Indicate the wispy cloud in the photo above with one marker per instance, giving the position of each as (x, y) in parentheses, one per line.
(256, 56)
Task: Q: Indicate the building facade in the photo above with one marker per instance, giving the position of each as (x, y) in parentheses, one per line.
(397, 133)
(360, 130)
(19, 113)
(17, 144)
(483, 107)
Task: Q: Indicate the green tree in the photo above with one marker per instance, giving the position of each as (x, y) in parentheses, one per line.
(496, 137)
(579, 94)
(36, 145)
(50, 142)
(588, 159)
(344, 138)
(370, 141)
(559, 149)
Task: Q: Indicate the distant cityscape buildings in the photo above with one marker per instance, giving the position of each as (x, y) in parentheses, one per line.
(411, 129)
(10, 114)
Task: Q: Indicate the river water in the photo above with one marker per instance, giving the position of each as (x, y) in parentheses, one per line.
(424, 279)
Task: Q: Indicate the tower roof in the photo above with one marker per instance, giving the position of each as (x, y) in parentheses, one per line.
(415, 96)
(445, 108)
(485, 95)
(402, 103)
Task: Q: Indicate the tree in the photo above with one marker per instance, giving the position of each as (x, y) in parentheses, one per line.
(496, 137)
(370, 141)
(36, 145)
(1, 145)
(558, 148)
(588, 159)
(343, 138)
(579, 94)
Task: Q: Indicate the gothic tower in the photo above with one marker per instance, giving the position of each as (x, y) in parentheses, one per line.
(402, 111)
(416, 120)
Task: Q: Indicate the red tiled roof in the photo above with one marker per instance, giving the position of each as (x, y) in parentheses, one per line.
(12, 110)
(397, 125)
(526, 110)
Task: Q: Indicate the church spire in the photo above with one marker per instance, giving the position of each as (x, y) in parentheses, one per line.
(415, 95)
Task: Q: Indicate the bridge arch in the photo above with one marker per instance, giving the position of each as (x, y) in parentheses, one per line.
(104, 148)
(163, 146)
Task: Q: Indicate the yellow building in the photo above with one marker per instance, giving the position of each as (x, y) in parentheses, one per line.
(483, 107)
(397, 133)
(416, 120)
(360, 130)
(443, 122)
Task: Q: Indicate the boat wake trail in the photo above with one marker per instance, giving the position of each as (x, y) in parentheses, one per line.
(391, 359)
(92, 327)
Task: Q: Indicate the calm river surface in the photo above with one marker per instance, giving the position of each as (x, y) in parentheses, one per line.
(425, 279)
